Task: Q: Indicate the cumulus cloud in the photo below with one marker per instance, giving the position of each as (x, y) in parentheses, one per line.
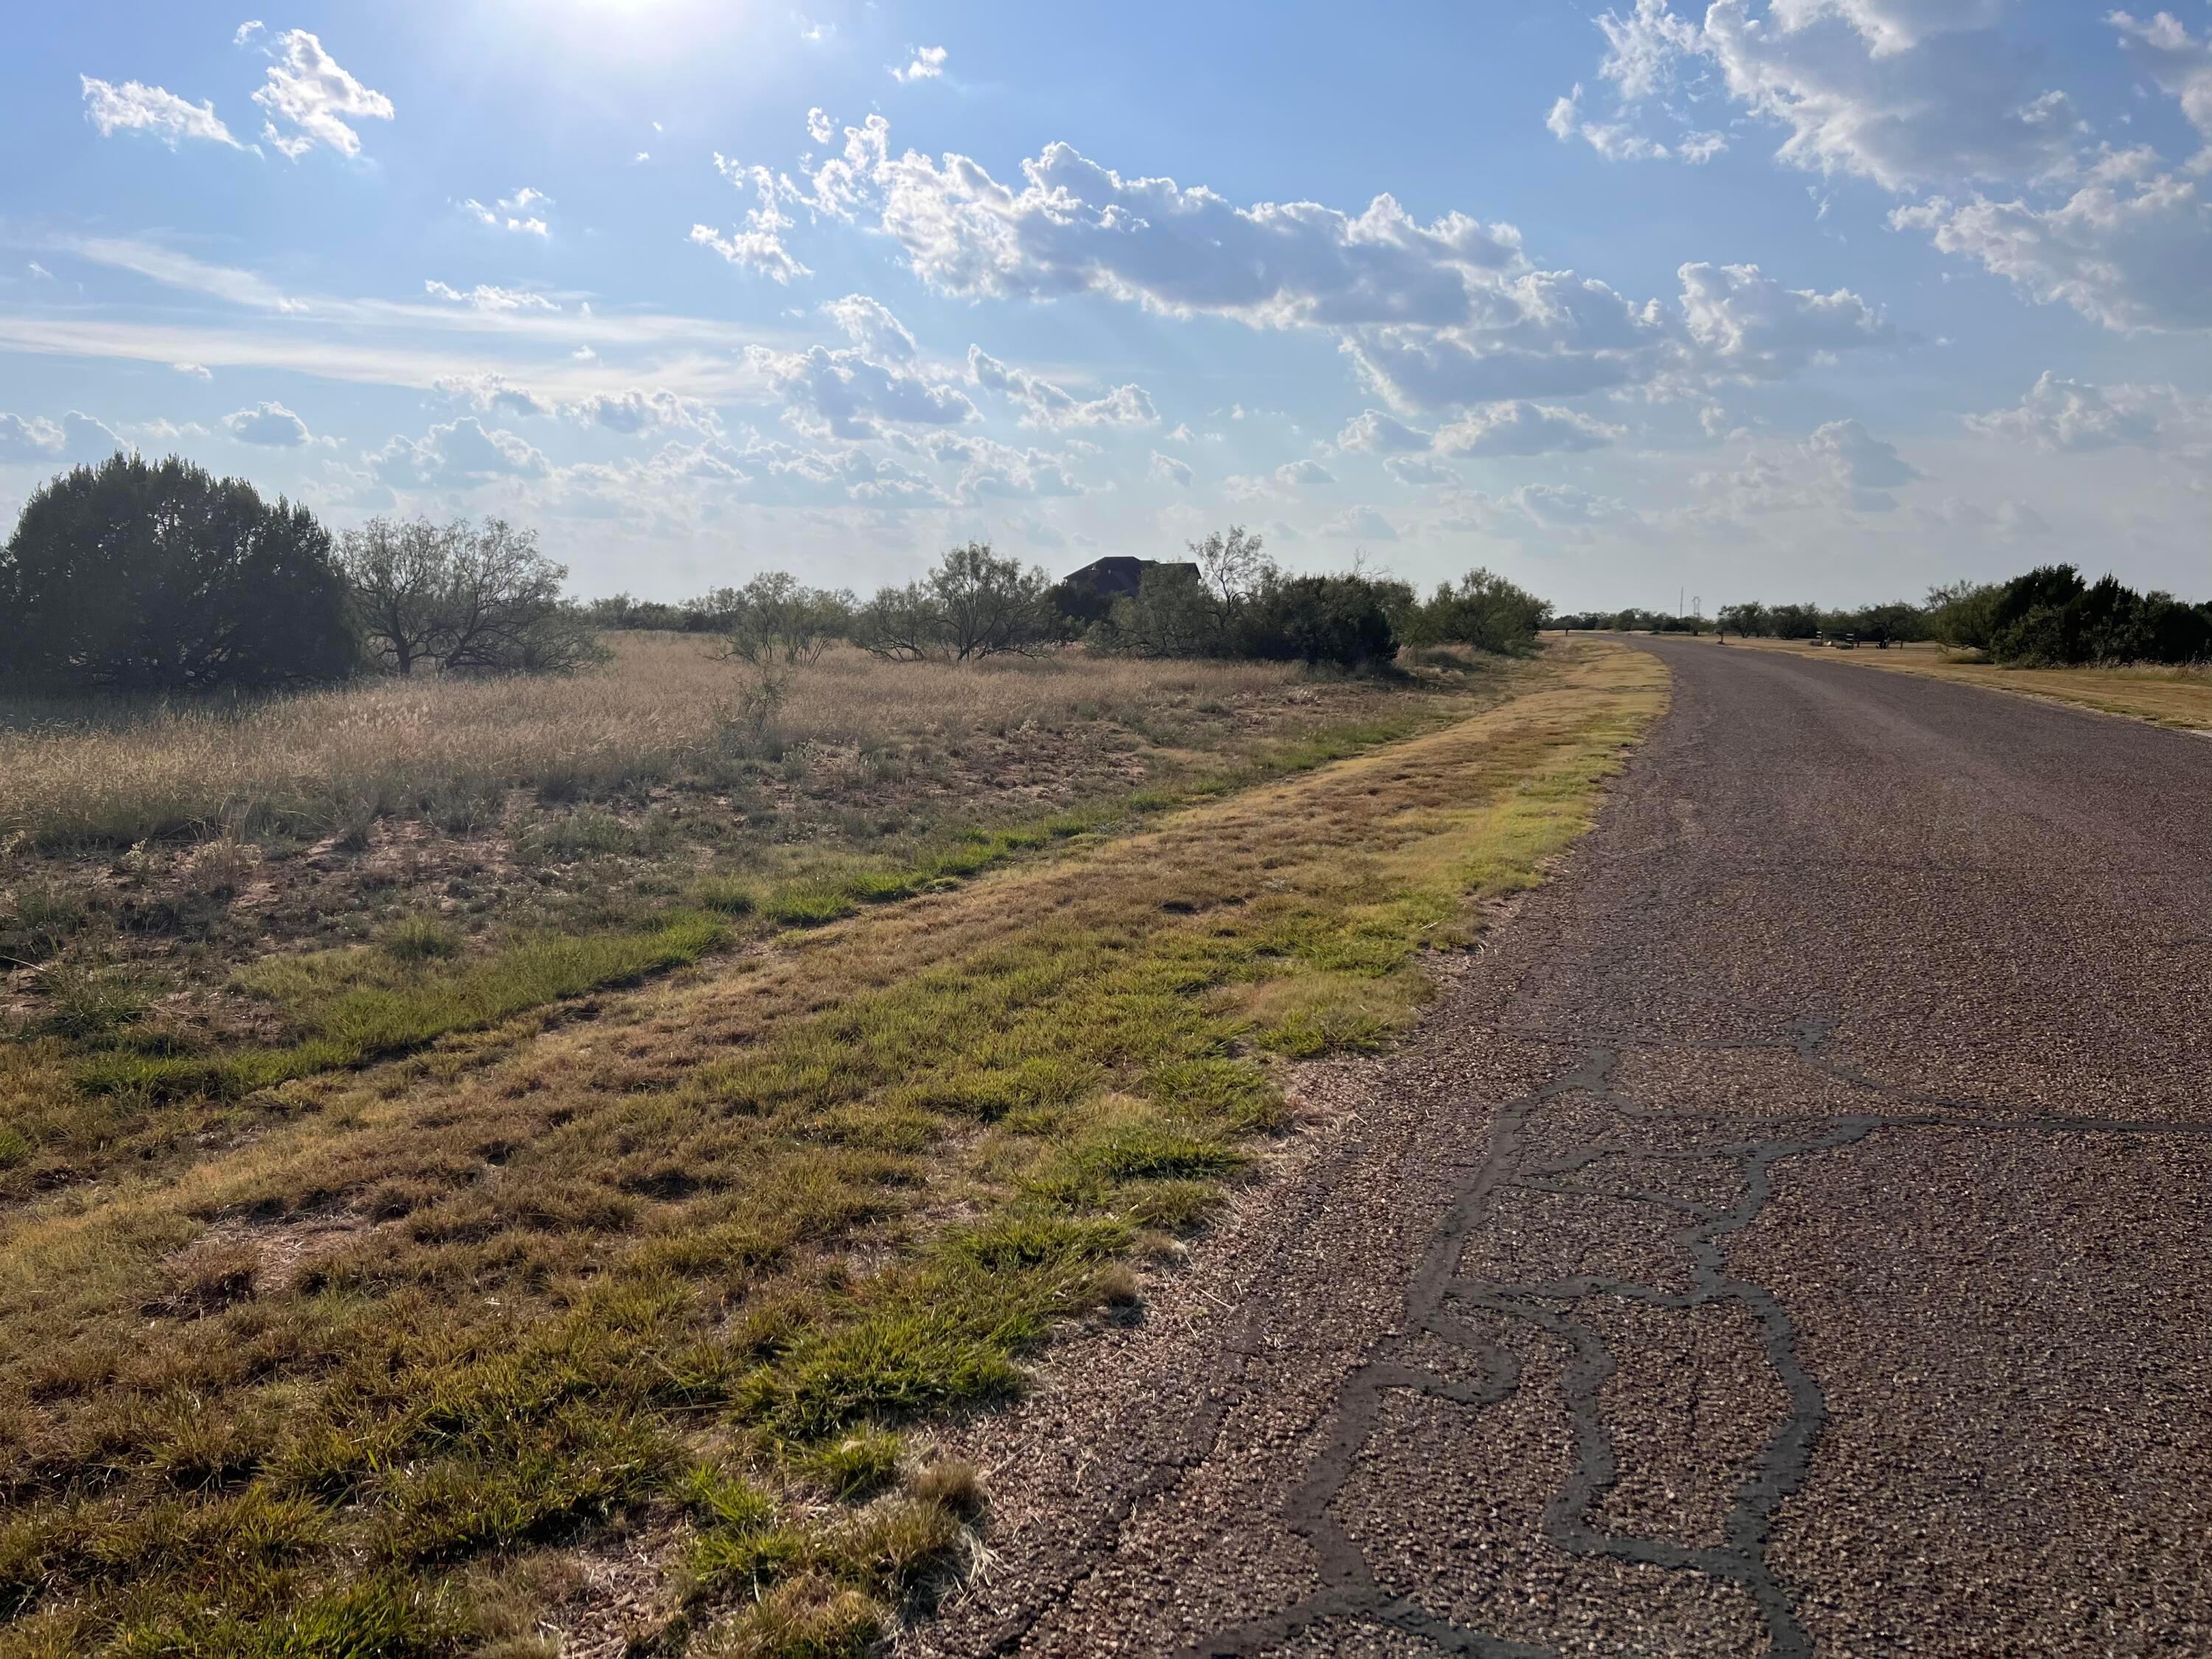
(1382, 433)
(989, 468)
(2177, 63)
(639, 410)
(870, 325)
(486, 297)
(1418, 470)
(1560, 512)
(77, 437)
(1302, 474)
(1359, 524)
(847, 394)
(1747, 324)
(310, 100)
(926, 64)
(1931, 97)
(459, 455)
(491, 394)
(1045, 403)
(194, 371)
(2072, 417)
(1169, 469)
(2126, 252)
(1431, 314)
(1619, 141)
(522, 212)
(1523, 428)
(270, 424)
(1840, 466)
(758, 245)
(135, 108)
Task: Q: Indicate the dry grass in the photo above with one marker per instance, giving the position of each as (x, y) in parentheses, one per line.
(2180, 697)
(115, 772)
(699, 1266)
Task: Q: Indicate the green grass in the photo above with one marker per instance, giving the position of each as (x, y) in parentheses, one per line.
(356, 1006)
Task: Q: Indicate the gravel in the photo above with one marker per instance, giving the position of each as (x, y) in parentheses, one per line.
(1787, 1237)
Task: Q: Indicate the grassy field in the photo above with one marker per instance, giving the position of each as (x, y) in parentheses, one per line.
(2180, 698)
(508, 1288)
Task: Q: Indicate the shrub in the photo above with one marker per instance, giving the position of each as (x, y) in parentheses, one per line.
(772, 621)
(1338, 621)
(974, 605)
(1482, 610)
(472, 597)
(140, 575)
(1231, 601)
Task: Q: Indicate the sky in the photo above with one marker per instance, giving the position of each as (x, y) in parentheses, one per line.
(1825, 300)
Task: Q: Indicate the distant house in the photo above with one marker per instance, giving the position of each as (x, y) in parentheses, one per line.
(1089, 593)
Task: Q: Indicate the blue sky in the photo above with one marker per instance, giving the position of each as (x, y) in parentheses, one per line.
(1831, 299)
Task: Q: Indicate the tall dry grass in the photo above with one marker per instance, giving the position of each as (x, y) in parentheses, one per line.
(109, 771)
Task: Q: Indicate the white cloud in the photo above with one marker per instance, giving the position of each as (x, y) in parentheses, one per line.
(2129, 254)
(2071, 415)
(1077, 227)
(135, 108)
(926, 64)
(1431, 314)
(459, 455)
(641, 409)
(847, 394)
(869, 324)
(1746, 324)
(1418, 470)
(817, 125)
(1047, 404)
(2180, 64)
(1523, 428)
(196, 371)
(270, 424)
(1298, 475)
(759, 245)
(522, 212)
(489, 393)
(485, 297)
(1382, 433)
(1841, 466)
(34, 439)
(1932, 95)
(1563, 512)
(1358, 524)
(989, 469)
(309, 100)
(1619, 141)
(1169, 469)
(39, 442)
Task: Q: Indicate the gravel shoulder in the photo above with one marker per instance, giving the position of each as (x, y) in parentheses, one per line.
(1785, 1238)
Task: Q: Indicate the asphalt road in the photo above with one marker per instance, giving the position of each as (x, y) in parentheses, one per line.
(1789, 1237)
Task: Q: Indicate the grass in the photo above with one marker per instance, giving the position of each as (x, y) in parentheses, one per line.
(706, 1265)
(114, 772)
(2177, 697)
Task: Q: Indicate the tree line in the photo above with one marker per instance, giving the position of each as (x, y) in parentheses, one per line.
(1228, 600)
(2051, 616)
(141, 576)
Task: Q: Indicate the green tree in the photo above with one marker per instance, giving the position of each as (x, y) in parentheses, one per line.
(146, 576)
